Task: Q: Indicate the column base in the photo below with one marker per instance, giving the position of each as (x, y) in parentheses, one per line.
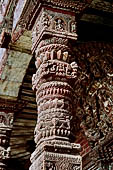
(55, 156)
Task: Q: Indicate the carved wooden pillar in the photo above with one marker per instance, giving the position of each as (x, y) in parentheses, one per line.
(6, 120)
(54, 30)
(7, 110)
(6, 123)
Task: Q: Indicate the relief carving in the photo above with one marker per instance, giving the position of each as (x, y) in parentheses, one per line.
(45, 20)
(59, 25)
(55, 69)
(4, 153)
(50, 166)
(54, 83)
(6, 119)
(76, 167)
(7, 110)
(54, 97)
(94, 107)
(73, 27)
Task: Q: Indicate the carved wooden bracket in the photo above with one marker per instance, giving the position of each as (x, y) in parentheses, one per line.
(102, 155)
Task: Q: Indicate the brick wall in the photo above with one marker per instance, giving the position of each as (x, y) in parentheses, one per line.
(81, 139)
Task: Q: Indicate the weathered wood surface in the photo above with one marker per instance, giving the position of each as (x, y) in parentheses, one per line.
(25, 121)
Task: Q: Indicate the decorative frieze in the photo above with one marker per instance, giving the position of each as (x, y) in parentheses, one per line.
(102, 154)
(106, 6)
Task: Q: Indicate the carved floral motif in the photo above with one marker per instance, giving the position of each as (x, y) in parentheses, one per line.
(6, 123)
(95, 99)
(54, 97)
(54, 70)
(53, 82)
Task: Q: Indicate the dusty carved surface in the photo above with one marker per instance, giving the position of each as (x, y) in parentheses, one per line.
(27, 16)
(58, 25)
(95, 97)
(54, 84)
(57, 78)
(96, 73)
(6, 121)
(54, 96)
(7, 110)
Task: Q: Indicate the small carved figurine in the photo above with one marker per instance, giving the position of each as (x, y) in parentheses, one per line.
(60, 26)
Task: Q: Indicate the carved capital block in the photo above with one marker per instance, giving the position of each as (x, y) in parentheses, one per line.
(53, 22)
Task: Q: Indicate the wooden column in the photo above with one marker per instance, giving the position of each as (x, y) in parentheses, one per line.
(7, 110)
(5, 132)
(53, 33)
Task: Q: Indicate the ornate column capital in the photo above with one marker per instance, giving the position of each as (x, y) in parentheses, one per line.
(55, 25)
(56, 19)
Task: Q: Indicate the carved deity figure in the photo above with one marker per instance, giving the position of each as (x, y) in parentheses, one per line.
(3, 120)
(73, 27)
(50, 166)
(59, 25)
(45, 20)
